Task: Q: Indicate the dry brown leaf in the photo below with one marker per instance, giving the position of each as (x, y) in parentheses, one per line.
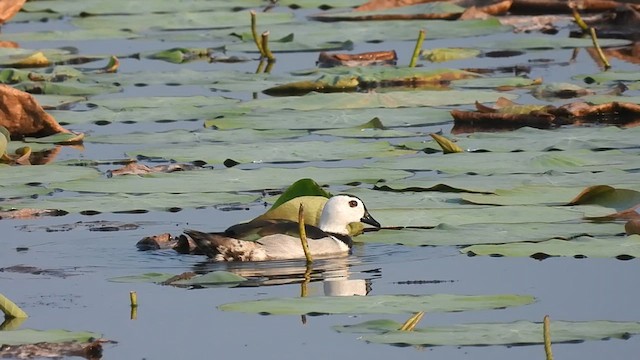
(387, 4)
(9, 44)
(363, 59)
(632, 227)
(628, 214)
(21, 114)
(87, 350)
(8, 8)
(30, 213)
(156, 242)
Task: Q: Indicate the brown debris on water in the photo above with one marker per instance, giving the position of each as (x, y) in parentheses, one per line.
(88, 350)
(21, 114)
(326, 60)
(510, 116)
(9, 8)
(30, 213)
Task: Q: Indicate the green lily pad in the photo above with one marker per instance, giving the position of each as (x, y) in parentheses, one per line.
(479, 215)
(224, 180)
(623, 247)
(123, 202)
(490, 163)
(499, 233)
(532, 42)
(394, 99)
(211, 278)
(448, 54)
(328, 119)
(269, 152)
(515, 333)
(381, 304)
(30, 336)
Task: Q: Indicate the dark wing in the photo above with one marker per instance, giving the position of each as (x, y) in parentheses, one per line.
(257, 229)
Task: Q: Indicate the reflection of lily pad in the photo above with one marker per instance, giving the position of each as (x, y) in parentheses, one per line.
(381, 304)
(516, 333)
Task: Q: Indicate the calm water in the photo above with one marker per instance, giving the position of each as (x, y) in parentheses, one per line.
(174, 323)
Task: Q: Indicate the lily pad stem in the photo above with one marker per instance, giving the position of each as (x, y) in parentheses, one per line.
(303, 235)
(133, 298)
(601, 55)
(265, 47)
(578, 18)
(10, 309)
(412, 322)
(254, 33)
(547, 338)
(417, 49)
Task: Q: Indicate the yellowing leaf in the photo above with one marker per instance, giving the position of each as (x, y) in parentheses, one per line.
(37, 59)
(447, 145)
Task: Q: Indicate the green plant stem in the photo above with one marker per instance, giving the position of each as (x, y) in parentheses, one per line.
(265, 46)
(547, 338)
(260, 68)
(578, 19)
(601, 55)
(417, 49)
(254, 33)
(303, 235)
(270, 64)
(412, 322)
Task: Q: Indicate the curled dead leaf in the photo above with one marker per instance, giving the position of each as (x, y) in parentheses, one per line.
(9, 8)
(363, 59)
(21, 114)
(30, 213)
(632, 227)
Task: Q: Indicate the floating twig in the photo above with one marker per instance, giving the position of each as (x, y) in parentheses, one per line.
(547, 338)
(303, 234)
(254, 33)
(417, 49)
(412, 322)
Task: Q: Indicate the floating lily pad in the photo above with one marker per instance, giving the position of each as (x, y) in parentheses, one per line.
(268, 152)
(515, 333)
(623, 247)
(381, 304)
(499, 233)
(211, 278)
(479, 215)
(30, 336)
(223, 180)
(393, 99)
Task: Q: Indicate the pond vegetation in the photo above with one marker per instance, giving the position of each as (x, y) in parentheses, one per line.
(504, 138)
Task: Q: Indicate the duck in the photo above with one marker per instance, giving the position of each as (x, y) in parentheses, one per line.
(262, 240)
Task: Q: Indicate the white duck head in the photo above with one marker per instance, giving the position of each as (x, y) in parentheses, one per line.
(340, 211)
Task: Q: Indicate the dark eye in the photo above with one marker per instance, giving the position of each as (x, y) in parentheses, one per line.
(353, 203)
